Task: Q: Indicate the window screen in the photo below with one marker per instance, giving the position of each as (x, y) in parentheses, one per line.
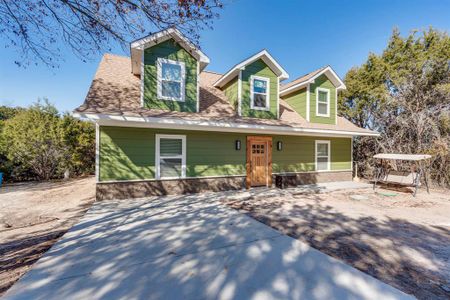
(259, 93)
(170, 157)
(322, 103)
(322, 156)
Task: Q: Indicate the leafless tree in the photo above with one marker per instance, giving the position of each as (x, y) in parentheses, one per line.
(415, 119)
(36, 28)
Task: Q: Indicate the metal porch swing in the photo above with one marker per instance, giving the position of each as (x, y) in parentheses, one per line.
(384, 173)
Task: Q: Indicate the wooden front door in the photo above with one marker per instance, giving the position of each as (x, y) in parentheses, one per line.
(259, 161)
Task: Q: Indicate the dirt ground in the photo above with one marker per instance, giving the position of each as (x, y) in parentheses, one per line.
(33, 216)
(401, 240)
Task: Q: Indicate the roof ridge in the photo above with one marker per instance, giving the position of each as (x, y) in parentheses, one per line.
(117, 55)
(304, 75)
(304, 78)
(208, 71)
(273, 65)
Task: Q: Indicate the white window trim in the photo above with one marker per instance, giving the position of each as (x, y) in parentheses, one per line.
(267, 80)
(329, 155)
(239, 92)
(159, 63)
(308, 107)
(278, 97)
(335, 106)
(158, 137)
(319, 89)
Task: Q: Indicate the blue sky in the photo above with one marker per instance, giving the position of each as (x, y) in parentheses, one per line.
(301, 35)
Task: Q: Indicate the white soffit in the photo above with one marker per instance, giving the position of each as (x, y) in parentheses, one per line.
(138, 46)
(265, 56)
(218, 126)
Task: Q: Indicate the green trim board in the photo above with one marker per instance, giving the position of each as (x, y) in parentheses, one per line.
(127, 153)
(173, 51)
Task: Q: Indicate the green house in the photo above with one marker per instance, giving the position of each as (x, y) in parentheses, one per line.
(166, 125)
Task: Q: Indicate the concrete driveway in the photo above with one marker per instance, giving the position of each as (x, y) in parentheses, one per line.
(187, 247)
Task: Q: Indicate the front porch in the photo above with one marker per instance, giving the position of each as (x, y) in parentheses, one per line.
(145, 188)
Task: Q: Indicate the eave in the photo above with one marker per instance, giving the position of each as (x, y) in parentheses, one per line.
(265, 56)
(215, 126)
(328, 71)
(138, 46)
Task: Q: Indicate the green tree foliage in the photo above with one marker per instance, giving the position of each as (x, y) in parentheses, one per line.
(79, 138)
(33, 139)
(404, 93)
(8, 112)
(6, 166)
(40, 144)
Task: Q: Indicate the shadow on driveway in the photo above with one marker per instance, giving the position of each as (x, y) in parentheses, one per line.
(187, 247)
(381, 248)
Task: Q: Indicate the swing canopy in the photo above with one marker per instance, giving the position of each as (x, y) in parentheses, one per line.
(413, 157)
(410, 178)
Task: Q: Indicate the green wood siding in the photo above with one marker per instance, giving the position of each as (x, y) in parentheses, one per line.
(259, 68)
(297, 100)
(231, 91)
(169, 50)
(298, 154)
(341, 154)
(323, 82)
(213, 153)
(126, 154)
(129, 153)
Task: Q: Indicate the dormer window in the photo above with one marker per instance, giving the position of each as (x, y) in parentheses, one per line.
(322, 102)
(171, 79)
(259, 93)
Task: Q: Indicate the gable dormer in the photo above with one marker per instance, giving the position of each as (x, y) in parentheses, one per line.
(169, 66)
(314, 96)
(252, 86)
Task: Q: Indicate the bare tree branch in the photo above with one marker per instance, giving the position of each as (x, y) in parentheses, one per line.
(89, 27)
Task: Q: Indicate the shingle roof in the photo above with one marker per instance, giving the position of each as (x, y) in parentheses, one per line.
(303, 78)
(116, 91)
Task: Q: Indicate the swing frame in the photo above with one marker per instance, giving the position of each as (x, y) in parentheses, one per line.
(382, 171)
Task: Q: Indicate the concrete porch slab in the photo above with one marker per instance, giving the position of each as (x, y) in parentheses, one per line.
(317, 188)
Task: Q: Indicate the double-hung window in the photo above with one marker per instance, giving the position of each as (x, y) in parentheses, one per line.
(259, 93)
(170, 156)
(322, 102)
(322, 155)
(171, 79)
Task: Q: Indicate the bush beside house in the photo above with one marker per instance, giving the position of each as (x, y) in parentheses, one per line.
(38, 143)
